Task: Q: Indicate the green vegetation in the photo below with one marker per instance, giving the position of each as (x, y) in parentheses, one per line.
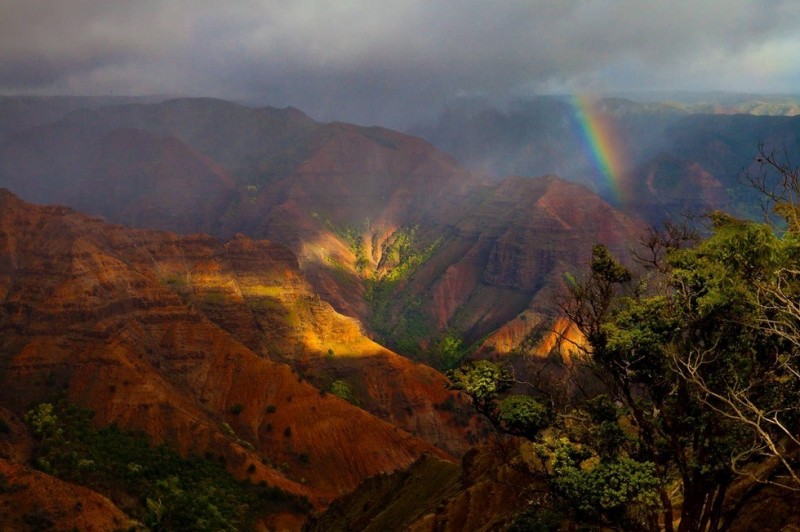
(410, 329)
(403, 254)
(534, 337)
(228, 431)
(697, 359)
(353, 235)
(177, 282)
(523, 415)
(538, 518)
(483, 381)
(342, 390)
(448, 351)
(355, 242)
(153, 484)
(606, 491)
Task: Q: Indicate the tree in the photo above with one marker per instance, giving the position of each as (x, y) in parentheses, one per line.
(599, 488)
(698, 356)
(483, 381)
(698, 359)
(709, 386)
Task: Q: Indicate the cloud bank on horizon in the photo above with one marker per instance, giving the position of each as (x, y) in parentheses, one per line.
(394, 62)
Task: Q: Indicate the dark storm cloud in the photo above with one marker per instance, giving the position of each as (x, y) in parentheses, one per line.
(395, 60)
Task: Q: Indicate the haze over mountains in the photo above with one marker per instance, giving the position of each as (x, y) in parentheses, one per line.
(387, 228)
(259, 287)
(676, 156)
(358, 206)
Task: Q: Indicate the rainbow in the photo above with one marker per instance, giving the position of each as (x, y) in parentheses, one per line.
(603, 143)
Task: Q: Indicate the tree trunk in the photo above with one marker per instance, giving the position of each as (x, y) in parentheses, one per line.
(716, 509)
(668, 516)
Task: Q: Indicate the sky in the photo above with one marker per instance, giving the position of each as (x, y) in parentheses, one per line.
(395, 62)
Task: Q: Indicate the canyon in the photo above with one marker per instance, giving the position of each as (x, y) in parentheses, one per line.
(283, 295)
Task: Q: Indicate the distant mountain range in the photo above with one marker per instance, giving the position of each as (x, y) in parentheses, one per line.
(673, 157)
(387, 228)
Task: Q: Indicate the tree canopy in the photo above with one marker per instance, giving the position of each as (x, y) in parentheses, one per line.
(697, 353)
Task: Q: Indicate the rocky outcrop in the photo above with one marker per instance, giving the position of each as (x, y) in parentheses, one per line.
(509, 251)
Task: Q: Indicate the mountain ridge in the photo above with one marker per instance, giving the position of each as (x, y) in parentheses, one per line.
(101, 314)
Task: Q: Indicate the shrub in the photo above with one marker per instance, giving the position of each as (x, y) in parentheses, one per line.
(523, 415)
(342, 390)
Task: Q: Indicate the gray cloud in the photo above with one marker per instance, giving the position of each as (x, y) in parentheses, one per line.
(394, 61)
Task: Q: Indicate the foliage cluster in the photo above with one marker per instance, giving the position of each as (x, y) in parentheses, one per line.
(355, 242)
(606, 490)
(353, 235)
(698, 360)
(343, 390)
(405, 252)
(448, 350)
(171, 492)
(402, 255)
